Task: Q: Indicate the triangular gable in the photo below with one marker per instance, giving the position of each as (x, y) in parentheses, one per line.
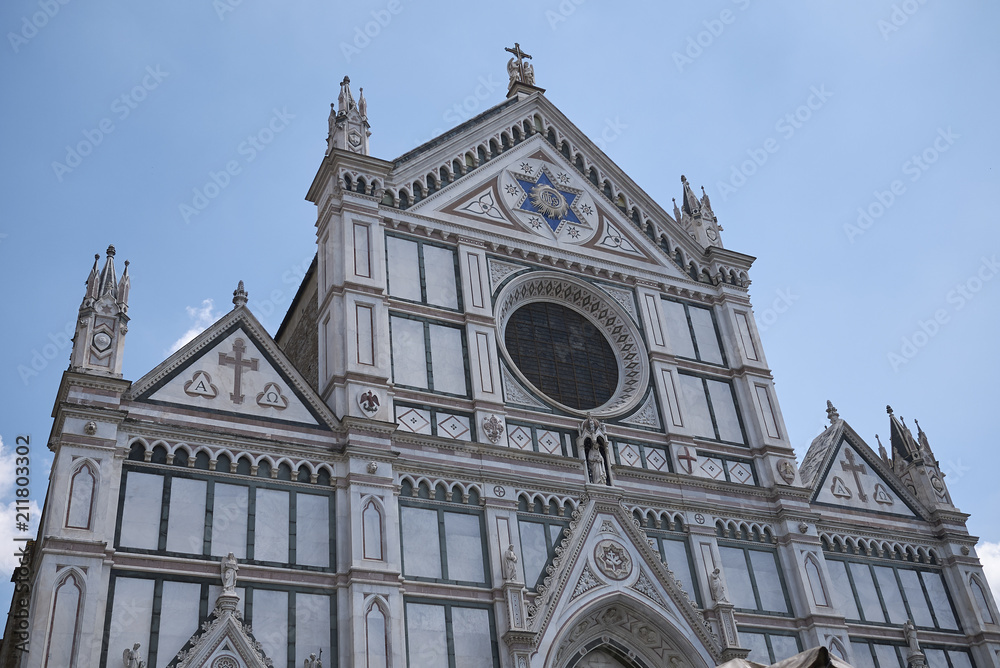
(852, 476)
(533, 193)
(609, 560)
(235, 368)
(222, 636)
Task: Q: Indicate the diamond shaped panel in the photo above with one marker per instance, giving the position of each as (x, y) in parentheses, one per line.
(656, 460)
(519, 437)
(548, 441)
(415, 420)
(453, 426)
(712, 468)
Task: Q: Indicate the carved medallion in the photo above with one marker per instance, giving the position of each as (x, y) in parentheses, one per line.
(90, 428)
(613, 559)
(369, 402)
(786, 470)
(493, 428)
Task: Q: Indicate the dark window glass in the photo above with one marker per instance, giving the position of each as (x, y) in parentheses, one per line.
(562, 354)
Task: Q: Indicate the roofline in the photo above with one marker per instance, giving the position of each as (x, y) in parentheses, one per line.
(295, 300)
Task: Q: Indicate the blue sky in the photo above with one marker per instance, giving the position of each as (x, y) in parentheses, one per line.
(796, 118)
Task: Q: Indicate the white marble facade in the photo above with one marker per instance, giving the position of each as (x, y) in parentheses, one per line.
(519, 415)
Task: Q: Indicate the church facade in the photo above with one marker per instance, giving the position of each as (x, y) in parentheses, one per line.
(518, 415)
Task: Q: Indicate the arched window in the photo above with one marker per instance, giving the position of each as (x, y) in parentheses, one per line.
(64, 636)
(81, 498)
(981, 600)
(377, 642)
(815, 581)
(371, 520)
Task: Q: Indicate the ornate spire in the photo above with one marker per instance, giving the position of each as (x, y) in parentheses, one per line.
(93, 282)
(831, 412)
(689, 203)
(881, 450)
(677, 212)
(108, 283)
(239, 296)
(124, 286)
(349, 129)
(103, 320)
(345, 101)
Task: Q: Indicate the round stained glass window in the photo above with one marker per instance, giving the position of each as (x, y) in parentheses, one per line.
(563, 354)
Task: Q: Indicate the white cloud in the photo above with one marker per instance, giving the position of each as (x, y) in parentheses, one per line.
(989, 556)
(202, 317)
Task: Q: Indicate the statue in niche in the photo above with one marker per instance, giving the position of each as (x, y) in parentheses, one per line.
(910, 633)
(131, 659)
(510, 564)
(596, 464)
(715, 585)
(229, 567)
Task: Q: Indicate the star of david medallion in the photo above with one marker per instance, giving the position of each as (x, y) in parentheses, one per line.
(548, 201)
(612, 559)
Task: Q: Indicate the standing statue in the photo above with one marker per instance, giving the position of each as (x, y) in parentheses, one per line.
(595, 461)
(313, 661)
(910, 633)
(715, 585)
(130, 658)
(510, 564)
(229, 568)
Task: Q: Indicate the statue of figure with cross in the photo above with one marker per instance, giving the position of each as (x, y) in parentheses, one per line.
(520, 70)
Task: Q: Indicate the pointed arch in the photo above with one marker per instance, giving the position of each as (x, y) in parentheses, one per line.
(83, 486)
(981, 598)
(376, 633)
(372, 528)
(65, 620)
(630, 629)
(815, 578)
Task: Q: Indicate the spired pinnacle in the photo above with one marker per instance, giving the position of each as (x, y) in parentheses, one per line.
(239, 296)
(831, 412)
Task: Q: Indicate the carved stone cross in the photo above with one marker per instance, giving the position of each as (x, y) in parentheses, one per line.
(238, 363)
(520, 55)
(858, 470)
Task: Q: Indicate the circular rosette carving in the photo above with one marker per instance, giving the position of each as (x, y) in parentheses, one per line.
(613, 559)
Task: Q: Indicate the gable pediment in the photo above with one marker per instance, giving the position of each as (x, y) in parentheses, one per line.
(234, 368)
(223, 640)
(609, 565)
(853, 476)
(533, 194)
